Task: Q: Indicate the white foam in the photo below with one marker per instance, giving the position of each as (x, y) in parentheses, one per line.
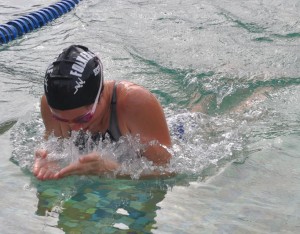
(121, 226)
(122, 211)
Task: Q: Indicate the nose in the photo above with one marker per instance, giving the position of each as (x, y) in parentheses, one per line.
(75, 126)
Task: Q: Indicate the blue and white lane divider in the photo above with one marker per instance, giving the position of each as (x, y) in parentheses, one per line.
(25, 24)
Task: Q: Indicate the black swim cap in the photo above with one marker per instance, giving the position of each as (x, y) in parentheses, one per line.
(73, 80)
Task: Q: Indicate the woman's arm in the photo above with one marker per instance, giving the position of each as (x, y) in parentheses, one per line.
(144, 116)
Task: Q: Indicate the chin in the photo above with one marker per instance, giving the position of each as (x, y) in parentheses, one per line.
(86, 129)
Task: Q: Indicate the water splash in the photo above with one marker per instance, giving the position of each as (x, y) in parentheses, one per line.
(201, 143)
(207, 142)
(25, 136)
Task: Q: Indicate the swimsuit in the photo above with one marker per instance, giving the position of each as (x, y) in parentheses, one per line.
(113, 130)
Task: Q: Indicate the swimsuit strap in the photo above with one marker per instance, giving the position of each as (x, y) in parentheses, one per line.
(113, 129)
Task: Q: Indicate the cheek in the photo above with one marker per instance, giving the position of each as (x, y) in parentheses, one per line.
(101, 107)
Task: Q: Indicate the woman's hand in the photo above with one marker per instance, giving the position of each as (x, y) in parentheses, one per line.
(90, 164)
(44, 169)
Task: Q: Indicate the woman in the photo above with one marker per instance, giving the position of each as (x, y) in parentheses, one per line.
(77, 98)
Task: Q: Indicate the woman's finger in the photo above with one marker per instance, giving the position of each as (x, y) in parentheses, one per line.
(72, 169)
(41, 174)
(48, 175)
(41, 153)
(90, 158)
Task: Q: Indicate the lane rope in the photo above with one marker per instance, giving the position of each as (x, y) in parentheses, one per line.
(34, 20)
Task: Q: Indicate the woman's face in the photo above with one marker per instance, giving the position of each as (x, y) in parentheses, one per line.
(82, 118)
(78, 118)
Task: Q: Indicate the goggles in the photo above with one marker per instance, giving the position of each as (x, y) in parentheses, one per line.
(82, 118)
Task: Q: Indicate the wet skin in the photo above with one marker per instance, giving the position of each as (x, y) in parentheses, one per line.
(139, 113)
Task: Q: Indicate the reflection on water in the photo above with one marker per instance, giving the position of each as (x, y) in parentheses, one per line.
(103, 205)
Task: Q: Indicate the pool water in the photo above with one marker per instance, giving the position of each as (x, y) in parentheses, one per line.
(227, 75)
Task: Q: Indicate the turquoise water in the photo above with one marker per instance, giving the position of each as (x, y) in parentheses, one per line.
(227, 70)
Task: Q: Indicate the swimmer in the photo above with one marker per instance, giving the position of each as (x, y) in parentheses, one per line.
(77, 98)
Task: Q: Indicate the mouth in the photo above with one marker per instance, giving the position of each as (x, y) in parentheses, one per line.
(85, 129)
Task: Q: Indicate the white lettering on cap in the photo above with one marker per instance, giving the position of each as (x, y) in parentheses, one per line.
(97, 70)
(78, 67)
(79, 84)
(80, 63)
(49, 71)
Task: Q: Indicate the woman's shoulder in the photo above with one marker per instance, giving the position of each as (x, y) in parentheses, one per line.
(132, 92)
